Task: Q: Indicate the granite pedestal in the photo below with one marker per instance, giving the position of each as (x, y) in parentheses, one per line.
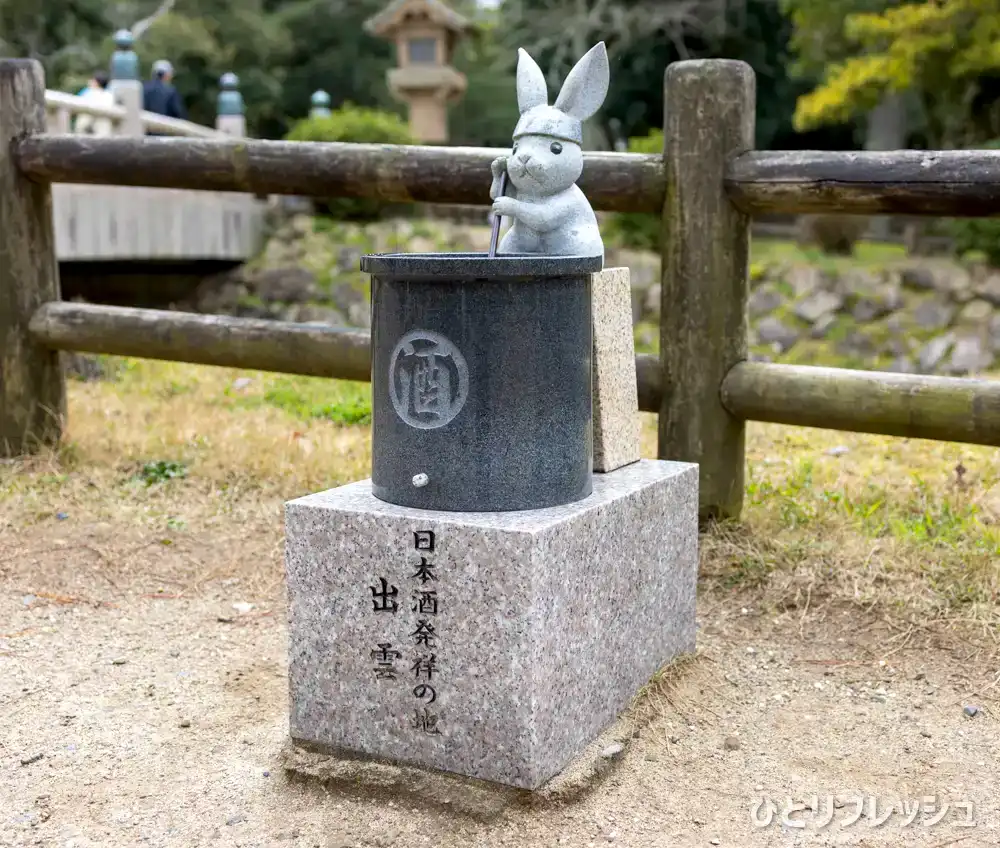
(492, 645)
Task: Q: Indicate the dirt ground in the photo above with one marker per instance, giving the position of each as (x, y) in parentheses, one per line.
(846, 625)
(138, 706)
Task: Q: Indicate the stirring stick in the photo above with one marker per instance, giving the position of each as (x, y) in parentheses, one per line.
(495, 237)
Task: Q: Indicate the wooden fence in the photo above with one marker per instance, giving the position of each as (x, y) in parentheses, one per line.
(706, 185)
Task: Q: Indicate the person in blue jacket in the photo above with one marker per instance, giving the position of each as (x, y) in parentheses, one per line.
(159, 95)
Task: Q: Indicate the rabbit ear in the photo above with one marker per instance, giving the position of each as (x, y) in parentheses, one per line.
(586, 85)
(531, 88)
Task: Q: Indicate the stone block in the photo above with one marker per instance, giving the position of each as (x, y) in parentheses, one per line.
(616, 396)
(491, 645)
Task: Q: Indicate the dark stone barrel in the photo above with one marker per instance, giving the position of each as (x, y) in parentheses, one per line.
(481, 380)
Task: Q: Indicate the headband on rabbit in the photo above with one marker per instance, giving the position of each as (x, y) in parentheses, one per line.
(581, 96)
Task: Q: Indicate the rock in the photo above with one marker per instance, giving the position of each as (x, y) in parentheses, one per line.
(971, 711)
(884, 300)
(817, 305)
(933, 315)
(344, 295)
(422, 244)
(284, 285)
(643, 265)
(34, 758)
(953, 280)
(119, 661)
(476, 239)
(359, 315)
(857, 344)
(989, 289)
(300, 225)
(969, 356)
(903, 365)
(731, 743)
(895, 347)
(311, 313)
(805, 279)
(651, 304)
(926, 734)
(613, 751)
(934, 351)
(87, 367)
(349, 258)
(770, 330)
(219, 295)
(975, 312)
(239, 817)
(184, 722)
(674, 740)
(839, 450)
(638, 298)
(918, 277)
(764, 299)
(279, 253)
(823, 326)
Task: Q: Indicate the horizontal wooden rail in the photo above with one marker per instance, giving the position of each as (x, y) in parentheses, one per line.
(313, 351)
(961, 183)
(921, 407)
(82, 106)
(75, 105)
(177, 127)
(309, 350)
(306, 349)
(617, 182)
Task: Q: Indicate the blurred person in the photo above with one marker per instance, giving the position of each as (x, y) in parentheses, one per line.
(97, 93)
(159, 95)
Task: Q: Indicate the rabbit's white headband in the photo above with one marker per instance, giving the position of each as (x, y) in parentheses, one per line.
(549, 121)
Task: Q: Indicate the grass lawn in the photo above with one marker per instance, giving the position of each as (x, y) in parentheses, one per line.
(168, 450)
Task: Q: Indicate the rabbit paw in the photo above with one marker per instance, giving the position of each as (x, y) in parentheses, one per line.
(498, 166)
(505, 206)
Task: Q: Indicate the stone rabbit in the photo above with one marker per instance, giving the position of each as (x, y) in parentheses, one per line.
(551, 215)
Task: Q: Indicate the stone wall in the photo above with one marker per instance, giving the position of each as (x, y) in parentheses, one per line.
(929, 316)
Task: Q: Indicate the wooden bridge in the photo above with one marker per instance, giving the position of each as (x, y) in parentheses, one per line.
(124, 224)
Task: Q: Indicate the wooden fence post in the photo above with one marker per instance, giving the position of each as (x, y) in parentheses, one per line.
(32, 392)
(708, 118)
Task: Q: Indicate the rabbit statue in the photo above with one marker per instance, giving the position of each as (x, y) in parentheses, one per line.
(551, 215)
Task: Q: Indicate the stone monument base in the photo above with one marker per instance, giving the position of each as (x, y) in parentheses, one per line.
(491, 645)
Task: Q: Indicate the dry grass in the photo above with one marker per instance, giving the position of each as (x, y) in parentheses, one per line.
(189, 458)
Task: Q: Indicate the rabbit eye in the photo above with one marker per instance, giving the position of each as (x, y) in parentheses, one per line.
(555, 147)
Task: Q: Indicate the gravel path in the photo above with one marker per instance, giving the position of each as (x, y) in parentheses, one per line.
(134, 717)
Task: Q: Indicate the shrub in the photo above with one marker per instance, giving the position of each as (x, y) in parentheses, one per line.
(833, 234)
(359, 125)
(640, 230)
(978, 234)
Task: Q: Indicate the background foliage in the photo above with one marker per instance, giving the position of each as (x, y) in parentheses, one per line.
(821, 65)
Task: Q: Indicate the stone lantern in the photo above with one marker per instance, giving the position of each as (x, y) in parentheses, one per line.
(425, 33)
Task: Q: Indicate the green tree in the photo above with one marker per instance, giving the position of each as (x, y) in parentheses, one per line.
(943, 52)
(331, 50)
